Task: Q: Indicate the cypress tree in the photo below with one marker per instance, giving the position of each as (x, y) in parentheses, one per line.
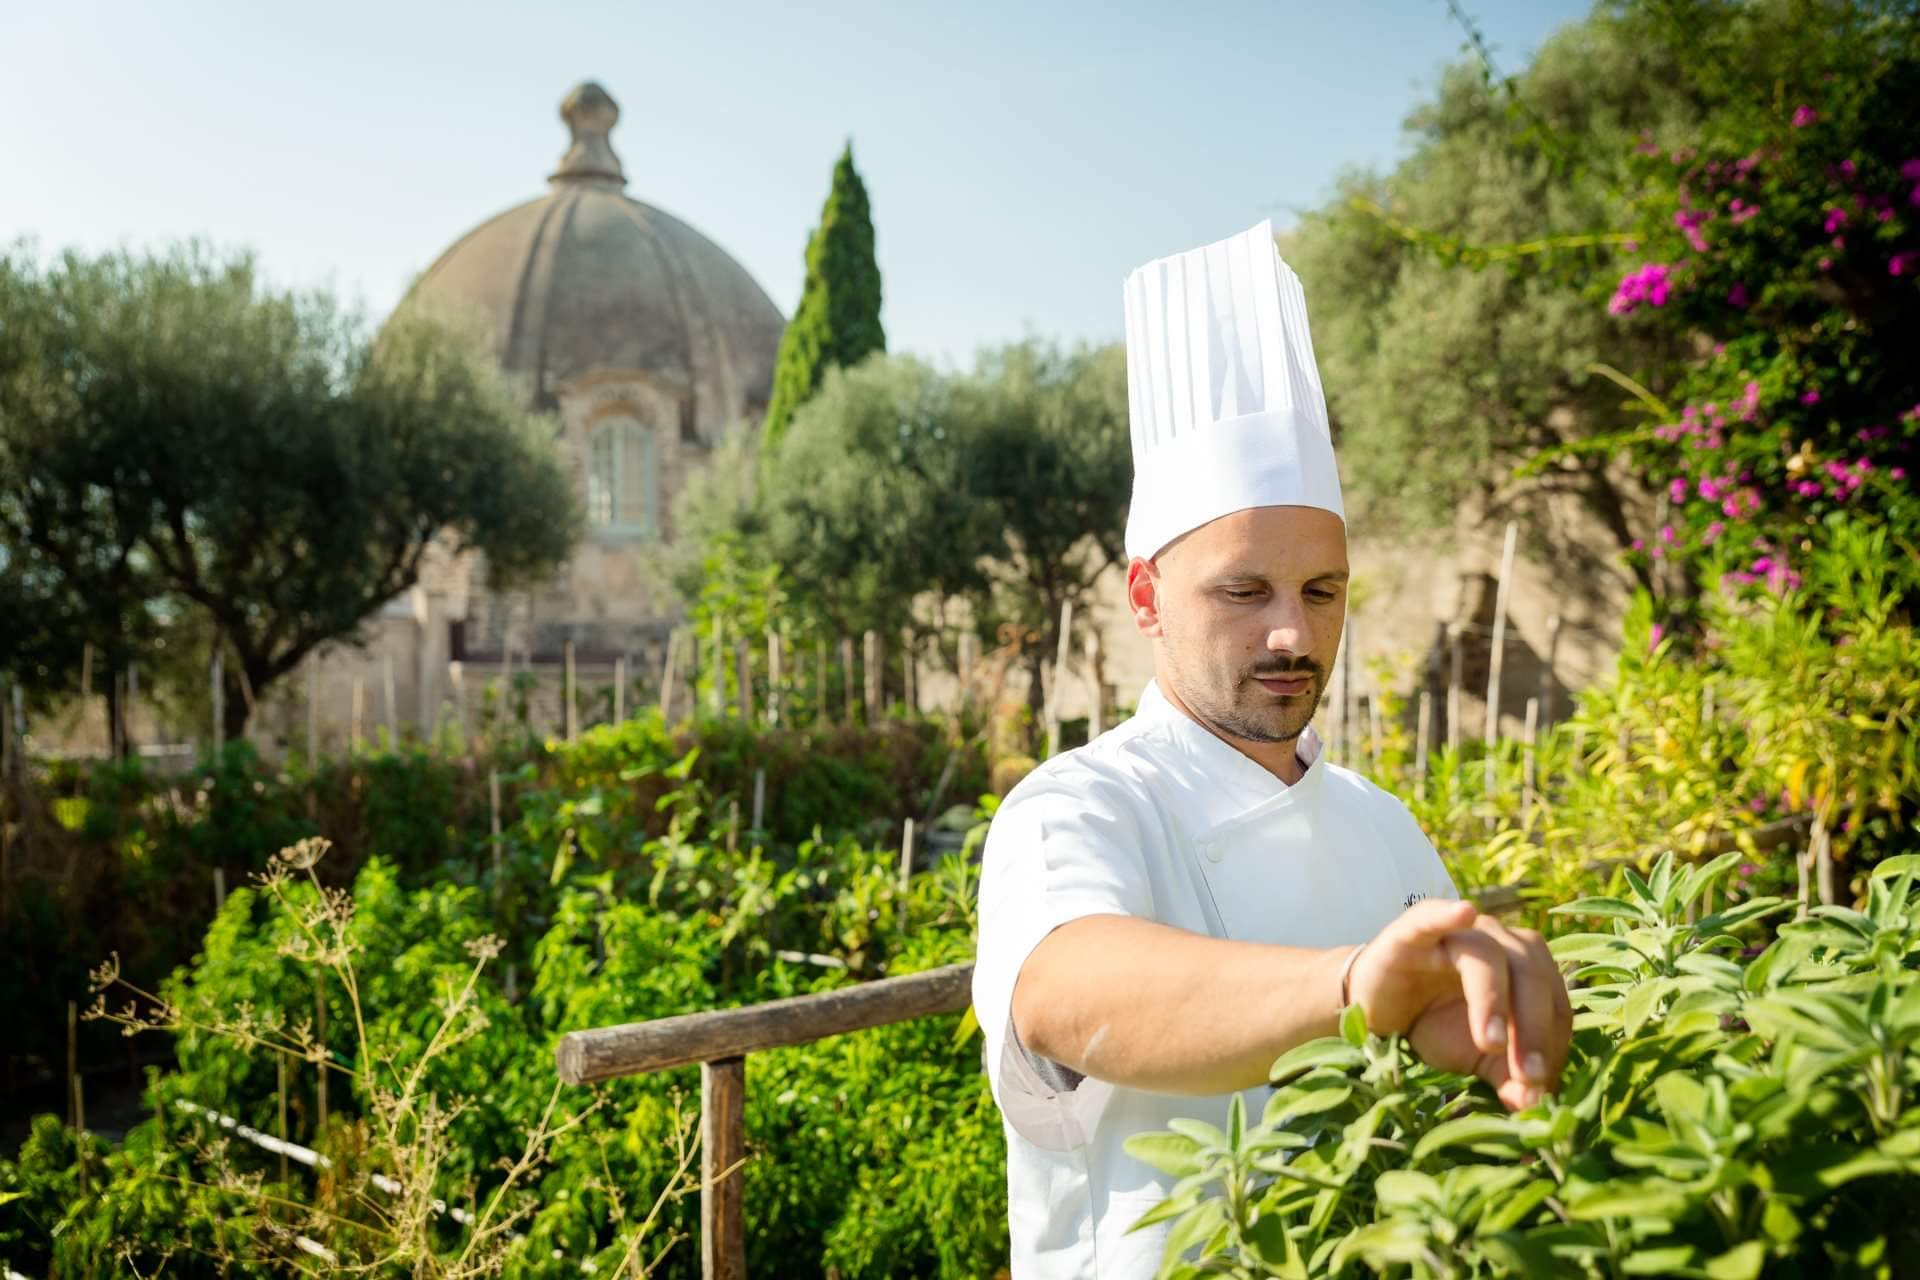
(838, 320)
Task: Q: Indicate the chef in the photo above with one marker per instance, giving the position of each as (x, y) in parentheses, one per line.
(1168, 909)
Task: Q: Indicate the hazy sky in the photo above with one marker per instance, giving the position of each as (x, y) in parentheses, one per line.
(1020, 158)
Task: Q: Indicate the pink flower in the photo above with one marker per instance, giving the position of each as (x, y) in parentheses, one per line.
(1712, 533)
(1847, 168)
(1804, 115)
(1911, 170)
(1639, 544)
(1898, 473)
(1710, 490)
(1836, 219)
(1809, 397)
(1901, 263)
(1677, 489)
(1655, 636)
(1667, 534)
(1650, 285)
(1826, 264)
(1737, 296)
(1763, 565)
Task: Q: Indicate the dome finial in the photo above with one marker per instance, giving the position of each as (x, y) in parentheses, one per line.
(590, 113)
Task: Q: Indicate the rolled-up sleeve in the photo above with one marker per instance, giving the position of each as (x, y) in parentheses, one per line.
(1066, 844)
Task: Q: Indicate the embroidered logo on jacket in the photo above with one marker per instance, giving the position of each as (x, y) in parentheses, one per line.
(1415, 897)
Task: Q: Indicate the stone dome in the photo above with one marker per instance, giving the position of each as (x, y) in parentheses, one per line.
(586, 283)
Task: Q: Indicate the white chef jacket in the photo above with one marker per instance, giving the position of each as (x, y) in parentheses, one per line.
(1160, 819)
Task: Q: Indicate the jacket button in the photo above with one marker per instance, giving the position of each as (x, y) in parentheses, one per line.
(1212, 850)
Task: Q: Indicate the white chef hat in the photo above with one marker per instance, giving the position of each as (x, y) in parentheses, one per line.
(1223, 395)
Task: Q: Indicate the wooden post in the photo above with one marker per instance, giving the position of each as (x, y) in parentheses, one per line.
(759, 798)
(906, 870)
(820, 682)
(1057, 693)
(667, 673)
(1530, 779)
(743, 666)
(493, 825)
(1423, 735)
(1096, 696)
(775, 675)
(969, 659)
(568, 690)
(280, 1089)
(846, 678)
(1350, 697)
(313, 711)
(733, 826)
(219, 888)
(1821, 844)
(1498, 655)
(907, 645)
(359, 712)
(80, 1120)
(320, 1038)
(73, 1063)
(219, 701)
(723, 1142)
(620, 689)
(870, 669)
(133, 696)
(1373, 732)
(1454, 699)
(393, 711)
(717, 671)
(1343, 676)
(1547, 676)
(457, 681)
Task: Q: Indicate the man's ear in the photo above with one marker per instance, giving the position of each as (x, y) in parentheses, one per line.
(1143, 596)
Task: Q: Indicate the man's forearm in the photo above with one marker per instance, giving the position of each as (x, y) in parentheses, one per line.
(1153, 1007)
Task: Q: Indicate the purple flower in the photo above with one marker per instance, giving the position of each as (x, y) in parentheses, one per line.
(1804, 115)
(1763, 565)
(1650, 285)
(1737, 296)
(1836, 219)
(1847, 168)
(1902, 263)
(1809, 397)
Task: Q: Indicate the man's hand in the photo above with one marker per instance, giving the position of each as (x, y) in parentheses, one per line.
(1470, 995)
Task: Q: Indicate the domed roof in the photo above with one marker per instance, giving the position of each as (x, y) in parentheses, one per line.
(586, 280)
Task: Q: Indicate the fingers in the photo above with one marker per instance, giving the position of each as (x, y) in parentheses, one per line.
(1542, 1015)
(1481, 963)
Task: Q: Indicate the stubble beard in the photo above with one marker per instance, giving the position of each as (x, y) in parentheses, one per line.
(1234, 704)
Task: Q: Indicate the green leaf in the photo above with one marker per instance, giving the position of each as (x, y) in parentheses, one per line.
(1407, 1190)
(1399, 1240)
(1629, 1198)
(1193, 1228)
(1170, 1153)
(1200, 1131)
(1619, 908)
(1325, 1052)
(1485, 1133)
(1742, 1262)
(1665, 1261)
(1353, 1026)
(1312, 1096)
(1236, 1123)
(1510, 1212)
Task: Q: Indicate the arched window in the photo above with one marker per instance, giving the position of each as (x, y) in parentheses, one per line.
(623, 494)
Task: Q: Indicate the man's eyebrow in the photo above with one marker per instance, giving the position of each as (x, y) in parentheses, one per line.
(1243, 574)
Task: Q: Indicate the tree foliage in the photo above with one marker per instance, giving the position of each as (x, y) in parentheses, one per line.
(174, 434)
(838, 321)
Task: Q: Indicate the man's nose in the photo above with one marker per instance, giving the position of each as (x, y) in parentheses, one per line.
(1287, 627)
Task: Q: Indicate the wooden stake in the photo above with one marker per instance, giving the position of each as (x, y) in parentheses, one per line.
(1498, 657)
(568, 691)
(759, 799)
(457, 681)
(667, 673)
(219, 888)
(733, 826)
(723, 1123)
(871, 670)
(393, 708)
(907, 646)
(493, 804)
(73, 1064)
(313, 711)
(1423, 734)
(743, 667)
(280, 1089)
(1343, 677)
(219, 702)
(1529, 776)
(717, 671)
(906, 870)
(1350, 692)
(775, 677)
(820, 682)
(1096, 696)
(846, 678)
(359, 712)
(80, 1114)
(620, 689)
(1373, 731)
(320, 1038)
(1057, 694)
(969, 659)
(1822, 846)
(1454, 679)
(1548, 678)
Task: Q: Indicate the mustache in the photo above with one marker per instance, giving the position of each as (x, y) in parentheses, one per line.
(1286, 668)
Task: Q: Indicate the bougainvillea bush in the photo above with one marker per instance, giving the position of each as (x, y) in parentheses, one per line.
(1781, 239)
(1728, 1111)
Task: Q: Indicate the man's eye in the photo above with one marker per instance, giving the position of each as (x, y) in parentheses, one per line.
(1320, 595)
(1241, 596)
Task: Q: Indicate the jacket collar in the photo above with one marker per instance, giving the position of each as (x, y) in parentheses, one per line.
(1215, 781)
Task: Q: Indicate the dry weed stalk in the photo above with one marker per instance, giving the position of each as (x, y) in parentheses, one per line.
(408, 1137)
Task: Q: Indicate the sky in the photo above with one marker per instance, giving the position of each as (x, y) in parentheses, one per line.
(1020, 158)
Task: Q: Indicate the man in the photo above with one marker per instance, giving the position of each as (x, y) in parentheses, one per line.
(1170, 908)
